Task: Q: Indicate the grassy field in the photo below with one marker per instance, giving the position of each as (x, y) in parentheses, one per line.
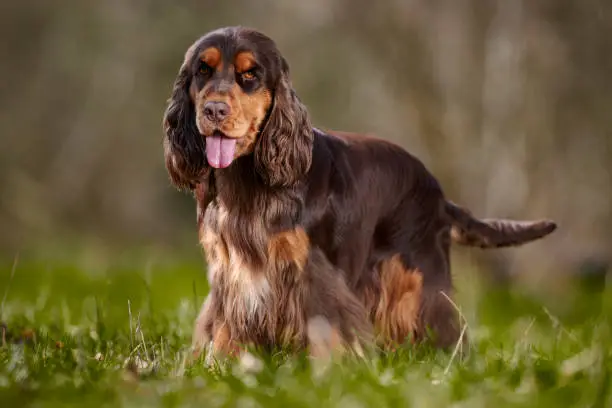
(117, 334)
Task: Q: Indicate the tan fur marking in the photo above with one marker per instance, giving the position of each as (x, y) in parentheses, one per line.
(289, 246)
(244, 61)
(456, 235)
(254, 108)
(212, 57)
(223, 342)
(396, 314)
(248, 112)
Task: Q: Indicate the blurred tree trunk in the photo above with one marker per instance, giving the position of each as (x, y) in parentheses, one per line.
(505, 101)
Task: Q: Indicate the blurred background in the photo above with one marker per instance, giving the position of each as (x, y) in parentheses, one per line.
(507, 103)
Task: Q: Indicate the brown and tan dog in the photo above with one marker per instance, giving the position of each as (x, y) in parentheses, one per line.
(301, 224)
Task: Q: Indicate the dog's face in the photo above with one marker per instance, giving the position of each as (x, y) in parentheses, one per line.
(233, 97)
(231, 90)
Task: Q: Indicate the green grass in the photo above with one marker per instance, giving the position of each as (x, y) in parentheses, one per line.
(118, 335)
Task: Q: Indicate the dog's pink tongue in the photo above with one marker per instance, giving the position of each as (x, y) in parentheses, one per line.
(220, 151)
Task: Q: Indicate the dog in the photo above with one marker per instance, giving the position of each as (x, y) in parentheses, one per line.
(301, 225)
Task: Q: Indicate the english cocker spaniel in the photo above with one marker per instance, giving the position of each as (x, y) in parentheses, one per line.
(301, 225)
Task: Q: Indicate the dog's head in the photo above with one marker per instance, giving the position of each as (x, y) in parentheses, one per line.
(233, 97)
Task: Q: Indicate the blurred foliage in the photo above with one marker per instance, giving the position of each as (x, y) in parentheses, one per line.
(507, 102)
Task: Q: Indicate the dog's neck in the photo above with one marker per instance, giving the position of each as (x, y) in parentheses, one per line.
(240, 189)
(238, 182)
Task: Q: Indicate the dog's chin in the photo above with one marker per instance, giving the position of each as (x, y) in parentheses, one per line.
(220, 150)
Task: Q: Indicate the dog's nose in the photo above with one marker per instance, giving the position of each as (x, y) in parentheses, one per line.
(216, 111)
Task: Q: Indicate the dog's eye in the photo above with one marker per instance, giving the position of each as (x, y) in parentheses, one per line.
(248, 75)
(205, 69)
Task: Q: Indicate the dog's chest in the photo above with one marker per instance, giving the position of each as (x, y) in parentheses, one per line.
(231, 268)
(257, 274)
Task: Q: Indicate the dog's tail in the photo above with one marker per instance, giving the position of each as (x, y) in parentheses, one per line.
(493, 233)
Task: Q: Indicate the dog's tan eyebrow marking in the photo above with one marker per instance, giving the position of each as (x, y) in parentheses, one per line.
(212, 57)
(244, 61)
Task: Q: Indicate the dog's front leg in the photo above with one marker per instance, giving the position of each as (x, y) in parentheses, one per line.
(212, 333)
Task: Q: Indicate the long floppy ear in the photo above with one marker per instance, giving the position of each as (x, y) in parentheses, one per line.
(184, 147)
(283, 152)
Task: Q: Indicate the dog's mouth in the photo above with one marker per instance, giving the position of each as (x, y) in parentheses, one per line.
(220, 150)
